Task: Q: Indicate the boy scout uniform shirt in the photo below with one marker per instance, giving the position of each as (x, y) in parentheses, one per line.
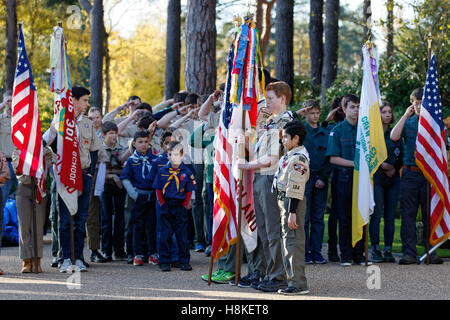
(6, 143)
(269, 142)
(49, 158)
(292, 173)
(342, 141)
(316, 142)
(394, 151)
(138, 171)
(174, 183)
(161, 161)
(88, 142)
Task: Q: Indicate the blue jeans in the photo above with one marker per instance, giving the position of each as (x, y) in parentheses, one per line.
(316, 202)
(173, 219)
(79, 222)
(113, 230)
(344, 191)
(413, 192)
(174, 255)
(6, 189)
(142, 210)
(386, 192)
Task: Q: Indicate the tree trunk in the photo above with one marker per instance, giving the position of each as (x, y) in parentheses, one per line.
(11, 43)
(259, 16)
(284, 37)
(173, 48)
(200, 26)
(107, 75)
(316, 40)
(390, 28)
(329, 70)
(265, 35)
(367, 20)
(97, 53)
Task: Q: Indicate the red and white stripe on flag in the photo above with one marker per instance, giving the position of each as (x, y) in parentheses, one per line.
(431, 156)
(25, 123)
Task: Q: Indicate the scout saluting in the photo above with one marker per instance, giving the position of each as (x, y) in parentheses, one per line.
(289, 185)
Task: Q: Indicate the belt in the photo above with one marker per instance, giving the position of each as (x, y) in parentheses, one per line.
(142, 191)
(412, 168)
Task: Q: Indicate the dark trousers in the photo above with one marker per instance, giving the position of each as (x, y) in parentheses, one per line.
(385, 191)
(173, 219)
(143, 216)
(333, 218)
(315, 208)
(174, 256)
(112, 220)
(413, 192)
(198, 206)
(79, 222)
(344, 191)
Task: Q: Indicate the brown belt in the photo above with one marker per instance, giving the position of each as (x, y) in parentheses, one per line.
(412, 168)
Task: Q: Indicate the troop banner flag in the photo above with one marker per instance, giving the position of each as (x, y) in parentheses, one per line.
(68, 172)
(431, 155)
(370, 147)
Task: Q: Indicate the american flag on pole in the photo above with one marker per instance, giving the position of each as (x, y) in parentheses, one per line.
(25, 123)
(224, 213)
(431, 155)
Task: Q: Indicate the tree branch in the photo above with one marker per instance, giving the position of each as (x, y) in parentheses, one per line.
(86, 4)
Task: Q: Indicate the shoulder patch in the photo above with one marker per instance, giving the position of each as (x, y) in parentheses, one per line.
(300, 168)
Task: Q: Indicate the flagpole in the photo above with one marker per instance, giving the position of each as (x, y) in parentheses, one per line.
(34, 218)
(427, 224)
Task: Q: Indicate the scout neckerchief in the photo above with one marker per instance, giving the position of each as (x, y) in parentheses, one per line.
(173, 175)
(146, 165)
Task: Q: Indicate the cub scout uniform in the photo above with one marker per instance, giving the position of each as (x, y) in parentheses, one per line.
(289, 183)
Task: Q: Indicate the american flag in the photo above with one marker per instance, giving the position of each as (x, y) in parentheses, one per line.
(25, 123)
(224, 213)
(431, 155)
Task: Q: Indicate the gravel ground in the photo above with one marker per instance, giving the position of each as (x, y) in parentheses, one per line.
(117, 280)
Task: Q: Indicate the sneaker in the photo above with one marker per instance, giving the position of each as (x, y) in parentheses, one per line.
(186, 267)
(206, 276)
(407, 260)
(199, 248)
(164, 267)
(208, 251)
(257, 283)
(66, 265)
(1, 272)
(292, 291)
(308, 258)
(153, 259)
(333, 257)
(55, 262)
(388, 257)
(317, 258)
(346, 263)
(138, 261)
(246, 282)
(272, 285)
(130, 259)
(97, 257)
(224, 277)
(80, 266)
(377, 256)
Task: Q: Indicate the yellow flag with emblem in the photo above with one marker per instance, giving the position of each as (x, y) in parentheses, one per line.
(370, 147)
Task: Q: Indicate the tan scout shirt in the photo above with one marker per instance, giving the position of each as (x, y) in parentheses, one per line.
(292, 173)
(6, 143)
(49, 157)
(89, 141)
(269, 140)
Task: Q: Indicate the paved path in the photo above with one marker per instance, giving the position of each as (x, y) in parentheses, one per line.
(117, 280)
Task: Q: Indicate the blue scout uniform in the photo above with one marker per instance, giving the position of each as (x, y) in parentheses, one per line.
(342, 143)
(316, 142)
(386, 191)
(173, 184)
(137, 171)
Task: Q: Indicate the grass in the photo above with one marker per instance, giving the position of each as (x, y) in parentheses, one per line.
(397, 245)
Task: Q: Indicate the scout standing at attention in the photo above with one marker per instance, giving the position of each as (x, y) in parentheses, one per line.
(289, 185)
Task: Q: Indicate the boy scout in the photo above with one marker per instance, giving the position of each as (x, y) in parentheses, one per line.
(341, 150)
(413, 185)
(267, 155)
(289, 185)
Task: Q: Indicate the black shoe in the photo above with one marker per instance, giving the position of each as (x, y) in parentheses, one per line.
(130, 259)
(291, 291)
(164, 267)
(97, 257)
(186, 267)
(272, 286)
(435, 259)
(407, 260)
(176, 264)
(85, 263)
(108, 258)
(333, 257)
(246, 282)
(388, 257)
(55, 262)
